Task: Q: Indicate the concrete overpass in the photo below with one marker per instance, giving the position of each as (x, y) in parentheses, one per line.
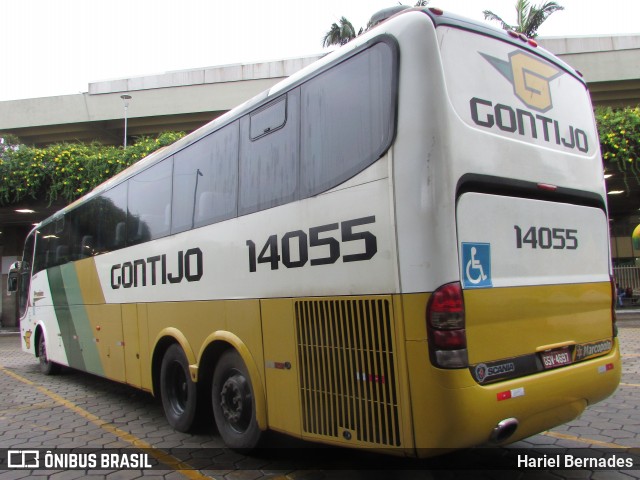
(185, 100)
(610, 65)
(180, 100)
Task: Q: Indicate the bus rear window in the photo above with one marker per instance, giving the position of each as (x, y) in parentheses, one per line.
(502, 89)
(348, 118)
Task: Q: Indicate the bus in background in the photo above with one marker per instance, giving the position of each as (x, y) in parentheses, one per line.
(404, 246)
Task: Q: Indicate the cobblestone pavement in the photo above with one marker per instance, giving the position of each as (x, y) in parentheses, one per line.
(77, 410)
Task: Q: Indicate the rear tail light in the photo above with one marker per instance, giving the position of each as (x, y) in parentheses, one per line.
(446, 327)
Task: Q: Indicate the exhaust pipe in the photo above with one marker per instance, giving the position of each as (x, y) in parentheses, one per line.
(504, 430)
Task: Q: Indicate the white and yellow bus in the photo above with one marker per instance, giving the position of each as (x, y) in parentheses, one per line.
(403, 246)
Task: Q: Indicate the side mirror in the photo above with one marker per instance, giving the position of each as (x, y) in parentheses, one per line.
(12, 281)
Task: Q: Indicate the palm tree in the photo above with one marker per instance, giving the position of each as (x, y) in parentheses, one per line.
(530, 18)
(340, 34)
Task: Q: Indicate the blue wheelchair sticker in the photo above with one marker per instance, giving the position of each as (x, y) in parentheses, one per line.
(476, 265)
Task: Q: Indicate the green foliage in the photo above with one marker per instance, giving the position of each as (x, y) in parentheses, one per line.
(69, 170)
(619, 131)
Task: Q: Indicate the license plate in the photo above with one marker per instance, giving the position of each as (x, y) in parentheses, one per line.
(556, 358)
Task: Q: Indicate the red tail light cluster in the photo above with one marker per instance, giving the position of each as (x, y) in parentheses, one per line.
(446, 327)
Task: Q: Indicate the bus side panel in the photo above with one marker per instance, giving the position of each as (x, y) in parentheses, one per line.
(281, 366)
(131, 337)
(351, 366)
(326, 383)
(41, 315)
(423, 194)
(243, 319)
(145, 348)
(115, 328)
(332, 244)
(73, 317)
(105, 322)
(91, 289)
(99, 323)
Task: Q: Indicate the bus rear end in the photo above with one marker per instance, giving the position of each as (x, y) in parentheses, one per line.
(519, 320)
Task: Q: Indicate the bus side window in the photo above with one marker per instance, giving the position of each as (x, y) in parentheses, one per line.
(62, 254)
(120, 236)
(111, 208)
(269, 119)
(45, 248)
(83, 226)
(86, 246)
(149, 196)
(348, 118)
(58, 247)
(269, 161)
(205, 180)
(24, 282)
(40, 257)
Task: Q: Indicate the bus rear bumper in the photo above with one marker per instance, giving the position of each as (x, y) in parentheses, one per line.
(451, 411)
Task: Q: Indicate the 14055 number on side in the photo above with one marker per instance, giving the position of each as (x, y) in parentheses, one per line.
(296, 245)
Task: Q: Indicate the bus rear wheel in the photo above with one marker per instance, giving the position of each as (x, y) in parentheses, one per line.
(233, 400)
(47, 367)
(178, 391)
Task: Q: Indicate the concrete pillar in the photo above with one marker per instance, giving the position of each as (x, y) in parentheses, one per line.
(11, 246)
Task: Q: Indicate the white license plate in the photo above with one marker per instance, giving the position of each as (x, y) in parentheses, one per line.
(556, 358)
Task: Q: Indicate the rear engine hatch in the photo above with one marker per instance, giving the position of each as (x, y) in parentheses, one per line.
(536, 283)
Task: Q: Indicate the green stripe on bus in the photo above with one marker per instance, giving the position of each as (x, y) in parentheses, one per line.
(65, 322)
(77, 334)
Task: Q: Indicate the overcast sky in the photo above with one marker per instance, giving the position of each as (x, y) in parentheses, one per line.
(57, 47)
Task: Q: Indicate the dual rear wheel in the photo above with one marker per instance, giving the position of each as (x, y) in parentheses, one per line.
(232, 397)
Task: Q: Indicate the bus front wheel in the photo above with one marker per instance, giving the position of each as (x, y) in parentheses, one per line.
(177, 389)
(47, 367)
(233, 400)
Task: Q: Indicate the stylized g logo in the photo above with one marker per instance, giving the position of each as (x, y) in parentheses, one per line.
(530, 77)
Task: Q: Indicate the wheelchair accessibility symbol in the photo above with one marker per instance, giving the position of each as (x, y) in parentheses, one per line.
(476, 265)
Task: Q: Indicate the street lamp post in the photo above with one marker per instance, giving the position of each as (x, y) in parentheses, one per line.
(125, 99)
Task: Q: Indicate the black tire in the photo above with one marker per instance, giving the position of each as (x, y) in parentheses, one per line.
(178, 391)
(47, 367)
(234, 407)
